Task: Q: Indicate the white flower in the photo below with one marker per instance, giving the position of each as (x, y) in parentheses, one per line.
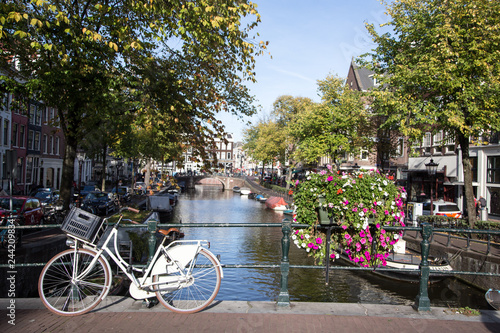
(308, 250)
(386, 194)
(307, 236)
(361, 214)
(365, 224)
(403, 195)
(294, 237)
(337, 255)
(379, 203)
(303, 244)
(396, 236)
(385, 182)
(309, 178)
(380, 189)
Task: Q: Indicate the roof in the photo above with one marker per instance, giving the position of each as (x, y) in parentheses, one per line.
(363, 76)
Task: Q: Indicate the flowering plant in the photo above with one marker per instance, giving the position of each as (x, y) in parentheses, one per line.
(361, 203)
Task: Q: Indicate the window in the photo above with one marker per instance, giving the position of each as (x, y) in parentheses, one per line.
(493, 169)
(364, 155)
(45, 119)
(6, 141)
(400, 148)
(473, 162)
(21, 136)
(32, 114)
(38, 116)
(14, 134)
(228, 156)
(426, 140)
(44, 143)
(36, 142)
(51, 145)
(57, 145)
(30, 139)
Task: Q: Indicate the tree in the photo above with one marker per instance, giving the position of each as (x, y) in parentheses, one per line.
(439, 69)
(286, 109)
(339, 124)
(171, 64)
(264, 142)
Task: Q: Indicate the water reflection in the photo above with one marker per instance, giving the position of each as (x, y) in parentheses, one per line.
(262, 245)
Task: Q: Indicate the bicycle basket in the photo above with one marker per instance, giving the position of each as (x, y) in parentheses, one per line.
(83, 225)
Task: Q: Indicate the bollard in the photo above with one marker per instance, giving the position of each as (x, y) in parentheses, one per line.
(284, 296)
(152, 224)
(422, 302)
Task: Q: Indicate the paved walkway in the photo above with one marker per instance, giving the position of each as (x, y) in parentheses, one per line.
(122, 314)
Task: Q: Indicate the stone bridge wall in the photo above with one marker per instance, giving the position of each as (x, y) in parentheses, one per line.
(225, 182)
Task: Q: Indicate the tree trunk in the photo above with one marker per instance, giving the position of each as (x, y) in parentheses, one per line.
(68, 170)
(469, 191)
(104, 168)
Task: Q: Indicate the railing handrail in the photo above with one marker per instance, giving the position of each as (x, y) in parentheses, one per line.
(422, 302)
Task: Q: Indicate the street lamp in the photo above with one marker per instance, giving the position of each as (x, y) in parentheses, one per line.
(431, 171)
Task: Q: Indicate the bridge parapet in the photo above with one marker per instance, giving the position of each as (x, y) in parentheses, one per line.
(226, 182)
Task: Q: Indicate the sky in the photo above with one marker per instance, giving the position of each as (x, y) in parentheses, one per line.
(308, 40)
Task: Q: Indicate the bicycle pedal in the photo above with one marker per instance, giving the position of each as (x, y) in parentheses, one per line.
(150, 302)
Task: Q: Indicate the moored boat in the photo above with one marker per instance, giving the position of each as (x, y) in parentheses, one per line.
(245, 191)
(408, 266)
(236, 189)
(276, 203)
(493, 298)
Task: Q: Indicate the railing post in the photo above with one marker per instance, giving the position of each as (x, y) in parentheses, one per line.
(284, 296)
(152, 224)
(422, 302)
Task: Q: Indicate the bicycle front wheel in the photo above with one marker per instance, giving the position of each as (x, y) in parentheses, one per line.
(65, 291)
(193, 290)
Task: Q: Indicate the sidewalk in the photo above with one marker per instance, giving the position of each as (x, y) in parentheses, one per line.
(123, 314)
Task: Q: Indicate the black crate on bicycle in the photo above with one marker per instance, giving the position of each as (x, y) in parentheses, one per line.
(82, 224)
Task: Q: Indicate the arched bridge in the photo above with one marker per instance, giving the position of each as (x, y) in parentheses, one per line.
(226, 182)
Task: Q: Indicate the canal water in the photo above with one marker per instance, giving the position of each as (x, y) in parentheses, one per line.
(262, 246)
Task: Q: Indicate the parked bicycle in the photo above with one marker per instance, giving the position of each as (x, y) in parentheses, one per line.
(184, 275)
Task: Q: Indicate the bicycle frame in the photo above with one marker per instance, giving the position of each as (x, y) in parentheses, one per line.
(175, 259)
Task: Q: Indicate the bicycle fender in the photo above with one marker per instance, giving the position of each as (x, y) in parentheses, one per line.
(180, 254)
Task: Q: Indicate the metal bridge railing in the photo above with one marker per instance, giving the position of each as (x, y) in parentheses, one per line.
(426, 230)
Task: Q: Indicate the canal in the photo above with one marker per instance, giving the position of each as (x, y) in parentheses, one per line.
(262, 246)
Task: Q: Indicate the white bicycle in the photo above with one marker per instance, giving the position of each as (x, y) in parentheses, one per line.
(184, 276)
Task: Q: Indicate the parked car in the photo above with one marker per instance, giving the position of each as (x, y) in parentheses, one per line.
(99, 203)
(87, 189)
(27, 210)
(441, 207)
(123, 193)
(46, 195)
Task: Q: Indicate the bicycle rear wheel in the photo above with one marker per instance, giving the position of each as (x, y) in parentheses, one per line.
(62, 288)
(194, 293)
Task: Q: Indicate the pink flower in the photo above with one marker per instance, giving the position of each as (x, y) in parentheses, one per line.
(329, 167)
(310, 245)
(374, 203)
(386, 212)
(315, 247)
(355, 209)
(361, 233)
(344, 226)
(319, 240)
(329, 179)
(367, 255)
(363, 241)
(332, 256)
(365, 210)
(297, 182)
(377, 225)
(346, 202)
(382, 231)
(347, 236)
(296, 232)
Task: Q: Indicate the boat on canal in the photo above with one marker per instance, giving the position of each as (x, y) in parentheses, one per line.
(245, 191)
(276, 203)
(236, 189)
(493, 298)
(408, 266)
